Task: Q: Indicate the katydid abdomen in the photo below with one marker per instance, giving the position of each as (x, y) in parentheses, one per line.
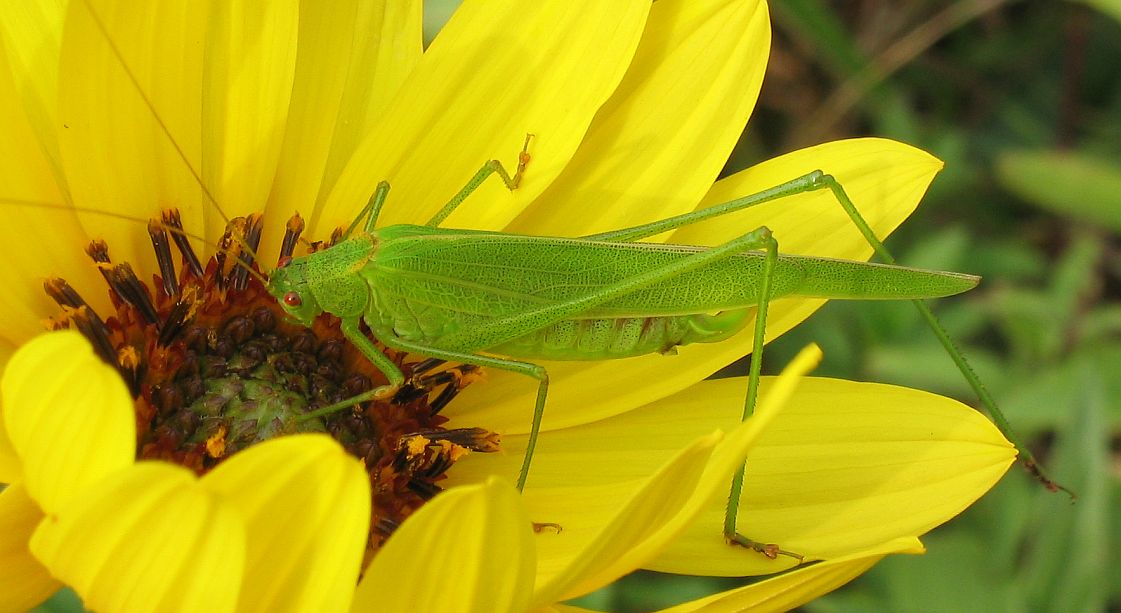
(427, 285)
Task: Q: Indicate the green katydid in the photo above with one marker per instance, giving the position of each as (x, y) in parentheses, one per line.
(446, 294)
(450, 294)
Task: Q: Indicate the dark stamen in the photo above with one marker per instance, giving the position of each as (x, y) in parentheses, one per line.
(445, 397)
(163, 258)
(89, 324)
(98, 250)
(128, 286)
(252, 239)
(475, 439)
(292, 232)
(425, 365)
(385, 526)
(425, 489)
(224, 246)
(176, 320)
(172, 220)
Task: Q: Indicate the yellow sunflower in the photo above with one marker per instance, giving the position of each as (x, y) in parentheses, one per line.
(285, 105)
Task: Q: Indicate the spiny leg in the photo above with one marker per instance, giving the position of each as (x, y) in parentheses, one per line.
(808, 182)
(731, 512)
(489, 168)
(814, 181)
(955, 354)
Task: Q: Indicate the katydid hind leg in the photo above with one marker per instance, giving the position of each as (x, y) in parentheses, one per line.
(987, 400)
(808, 182)
(489, 168)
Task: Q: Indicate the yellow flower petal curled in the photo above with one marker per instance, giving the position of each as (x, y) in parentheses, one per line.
(68, 415)
(665, 504)
(498, 70)
(305, 504)
(691, 87)
(149, 538)
(831, 470)
(485, 563)
(24, 582)
(846, 466)
(800, 586)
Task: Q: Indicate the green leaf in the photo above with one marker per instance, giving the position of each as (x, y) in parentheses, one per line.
(1078, 185)
(1109, 7)
(1069, 559)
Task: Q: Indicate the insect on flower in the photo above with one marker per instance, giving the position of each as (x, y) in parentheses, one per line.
(505, 300)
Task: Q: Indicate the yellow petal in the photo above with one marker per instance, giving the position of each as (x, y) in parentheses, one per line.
(116, 155)
(595, 544)
(846, 466)
(884, 178)
(498, 70)
(10, 470)
(35, 242)
(796, 588)
(340, 44)
(149, 538)
(659, 142)
(68, 415)
(665, 504)
(469, 549)
(24, 582)
(31, 33)
(386, 50)
(306, 506)
(246, 91)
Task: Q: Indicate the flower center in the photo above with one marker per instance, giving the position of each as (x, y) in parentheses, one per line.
(215, 366)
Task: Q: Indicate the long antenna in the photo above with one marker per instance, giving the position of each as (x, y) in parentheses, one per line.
(170, 229)
(163, 126)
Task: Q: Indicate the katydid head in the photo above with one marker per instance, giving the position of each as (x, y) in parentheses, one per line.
(288, 284)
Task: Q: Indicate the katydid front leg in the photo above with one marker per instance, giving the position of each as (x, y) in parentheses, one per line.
(489, 168)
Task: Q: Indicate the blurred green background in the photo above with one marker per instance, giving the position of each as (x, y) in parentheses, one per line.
(1023, 102)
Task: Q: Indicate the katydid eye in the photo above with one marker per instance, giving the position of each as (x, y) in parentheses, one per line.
(293, 299)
